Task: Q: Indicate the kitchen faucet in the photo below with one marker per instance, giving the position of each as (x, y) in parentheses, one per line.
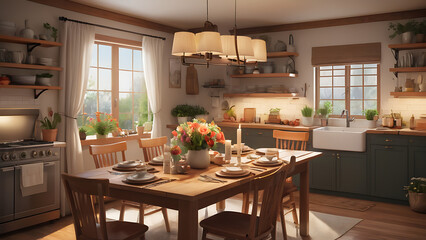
(348, 121)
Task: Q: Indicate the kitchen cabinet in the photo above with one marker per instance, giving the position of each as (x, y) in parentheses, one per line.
(417, 157)
(258, 138)
(322, 171)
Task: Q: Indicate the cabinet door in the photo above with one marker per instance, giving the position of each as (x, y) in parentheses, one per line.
(417, 157)
(230, 134)
(352, 172)
(258, 138)
(323, 172)
(7, 180)
(389, 171)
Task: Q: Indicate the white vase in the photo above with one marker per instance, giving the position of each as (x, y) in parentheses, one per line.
(407, 37)
(198, 158)
(371, 123)
(307, 121)
(182, 120)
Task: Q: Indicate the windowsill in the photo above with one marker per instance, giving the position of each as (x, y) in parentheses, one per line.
(91, 140)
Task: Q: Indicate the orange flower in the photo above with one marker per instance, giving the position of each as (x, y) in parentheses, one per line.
(210, 143)
(203, 130)
(174, 133)
(212, 134)
(175, 150)
(195, 125)
(98, 116)
(179, 129)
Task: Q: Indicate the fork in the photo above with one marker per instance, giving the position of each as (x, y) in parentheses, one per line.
(212, 178)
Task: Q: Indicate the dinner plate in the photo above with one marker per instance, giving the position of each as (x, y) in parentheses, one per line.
(267, 161)
(253, 156)
(263, 151)
(233, 170)
(140, 183)
(158, 159)
(155, 163)
(128, 164)
(140, 177)
(225, 175)
(263, 164)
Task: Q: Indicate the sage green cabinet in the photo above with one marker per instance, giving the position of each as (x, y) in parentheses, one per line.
(417, 157)
(352, 172)
(389, 164)
(322, 171)
(258, 138)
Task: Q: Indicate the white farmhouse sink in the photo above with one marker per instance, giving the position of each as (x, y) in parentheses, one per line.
(340, 138)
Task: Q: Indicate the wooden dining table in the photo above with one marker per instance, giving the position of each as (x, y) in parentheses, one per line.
(187, 194)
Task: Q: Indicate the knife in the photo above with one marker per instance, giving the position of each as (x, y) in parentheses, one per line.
(159, 183)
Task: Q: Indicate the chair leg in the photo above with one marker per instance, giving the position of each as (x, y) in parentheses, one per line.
(141, 213)
(204, 234)
(283, 222)
(166, 218)
(122, 210)
(293, 211)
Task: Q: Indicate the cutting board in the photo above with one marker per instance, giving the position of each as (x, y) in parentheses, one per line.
(249, 114)
(191, 81)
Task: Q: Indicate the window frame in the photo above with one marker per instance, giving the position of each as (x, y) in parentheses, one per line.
(347, 86)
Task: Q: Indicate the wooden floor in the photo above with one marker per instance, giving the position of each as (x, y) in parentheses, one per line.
(383, 221)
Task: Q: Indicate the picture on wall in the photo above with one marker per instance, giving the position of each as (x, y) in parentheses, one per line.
(175, 73)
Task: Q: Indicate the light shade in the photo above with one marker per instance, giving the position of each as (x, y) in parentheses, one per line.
(245, 49)
(183, 44)
(208, 42)
(259, 49)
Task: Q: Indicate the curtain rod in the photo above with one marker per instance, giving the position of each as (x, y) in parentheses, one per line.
(102, 26)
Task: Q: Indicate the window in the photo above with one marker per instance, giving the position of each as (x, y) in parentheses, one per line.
(116, 84)
(353, 87)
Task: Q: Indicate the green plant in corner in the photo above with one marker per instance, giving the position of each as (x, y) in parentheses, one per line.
(51, 121)
(82, 130)
(421, 28)
(325, 110)
(307, 111)
(399, 28)
(370, 113)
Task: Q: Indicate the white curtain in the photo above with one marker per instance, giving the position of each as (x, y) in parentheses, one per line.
(152, 51)
(76, 53)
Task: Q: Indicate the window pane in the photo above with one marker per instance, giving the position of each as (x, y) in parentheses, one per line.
(370, 65)
(356, 108)
(338, 107)
(105, 102)
(370, 80)
(356, 71)
(125, 80)
(370, 104)
(90, 103)
(104, 79)
(139, 82)
(105, 56)
(339, 93)
(325, 73)
(92, 83)
(137, 60)
(94, 59)
(356, 92)
(325, 93)
(339, 81)
(125, 58)
(356, 66)
(126, 104)
(370, 92)
(370, 71)
(339, 72)
(325, 81)
(141, 107)
(325, 67)
(356, 80)
(339, 67)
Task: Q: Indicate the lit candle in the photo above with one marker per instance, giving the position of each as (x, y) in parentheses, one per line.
(228, 149)
(239, 145)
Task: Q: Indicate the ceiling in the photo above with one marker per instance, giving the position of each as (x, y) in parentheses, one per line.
(186, 14)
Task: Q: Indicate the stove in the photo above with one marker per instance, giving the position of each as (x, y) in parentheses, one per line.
(23, 152)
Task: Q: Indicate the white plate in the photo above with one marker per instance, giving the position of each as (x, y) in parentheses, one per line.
(233, 170)
(267, 150)
(140, 177)
(158, 159)
(128, 164)
(253, 156)
(267, 161)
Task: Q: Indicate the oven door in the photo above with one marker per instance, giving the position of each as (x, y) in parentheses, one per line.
(39, 202)
(7, 178)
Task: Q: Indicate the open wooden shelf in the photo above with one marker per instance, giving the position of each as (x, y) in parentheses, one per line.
(264, 75)
(36, 87)
(263, 95)
(20, 40)
(408, 94)
(407, 46)
(408, 69)
(29, 66)
(282, 54)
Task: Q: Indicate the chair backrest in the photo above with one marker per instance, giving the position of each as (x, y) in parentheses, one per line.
(291, 140)
(106, 155)
(81, 194)
(152, 147)
(273, 187)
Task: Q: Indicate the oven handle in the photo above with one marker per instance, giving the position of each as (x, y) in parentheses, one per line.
(7, 169)
(48, 164)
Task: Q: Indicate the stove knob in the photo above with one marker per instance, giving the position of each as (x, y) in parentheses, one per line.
(41, 154)
(13, 156)
(23, 155)
(33, 154)
(5, 157)
(48, 153)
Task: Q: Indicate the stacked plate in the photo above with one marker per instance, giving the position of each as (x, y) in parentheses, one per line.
(157, 160)
(140, 178)
(126, 166)
(45, 61)
(233, 172)
(7, 28)
(246, 149)
(268, 162)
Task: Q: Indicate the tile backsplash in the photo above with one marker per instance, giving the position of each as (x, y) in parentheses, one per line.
(17, 98)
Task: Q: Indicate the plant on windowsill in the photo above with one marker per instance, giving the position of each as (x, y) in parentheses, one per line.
(324, 112)
(139, 127)
(370, 115)
(49, 124)
(417, 194)
(102, 125)
(82, 132)
(307, 116)
(405, 30)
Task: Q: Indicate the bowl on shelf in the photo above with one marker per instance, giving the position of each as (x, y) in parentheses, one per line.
(45, 61)
(23, 79)
(43, 81)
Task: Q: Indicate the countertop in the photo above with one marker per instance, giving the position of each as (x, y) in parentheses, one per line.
(403, 131)
(258, 126)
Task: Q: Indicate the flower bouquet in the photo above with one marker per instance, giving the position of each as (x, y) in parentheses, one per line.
(102, 125)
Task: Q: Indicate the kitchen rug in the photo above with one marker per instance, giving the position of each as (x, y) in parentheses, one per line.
(344, 203)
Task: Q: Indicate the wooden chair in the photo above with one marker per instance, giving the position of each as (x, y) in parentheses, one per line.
(82, 193)
(237, 225)
(105, 156)
(152, 147)
(291, 141)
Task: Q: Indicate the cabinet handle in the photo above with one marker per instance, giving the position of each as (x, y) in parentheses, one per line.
(388, 140)
(260, 133)
(388, 147)
(7, 169)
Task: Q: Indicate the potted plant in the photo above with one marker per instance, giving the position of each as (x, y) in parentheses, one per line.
(139, 127)
(405, 30)
(196, 138)
(48, 126)
(44, 79)
(52, 31)
(417, 194)
(200, 113)
(307, 116)
(324, 112)
(182, 112)
(82, 132)
(102, 125)
(370, 116)
(420, 32)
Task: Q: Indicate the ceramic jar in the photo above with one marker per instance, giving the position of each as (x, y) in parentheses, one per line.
(407, 37)
(307, 121)
(27, 32)
(198, 158)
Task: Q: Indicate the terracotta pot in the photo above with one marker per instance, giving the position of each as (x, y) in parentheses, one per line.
(417, 201)
(420, 38)
(140, 130)
(49, 135)
(198, 158)
(83, 135)
(99, 136)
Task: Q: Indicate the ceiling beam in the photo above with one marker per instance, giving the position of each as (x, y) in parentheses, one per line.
(334, 22)
(96, 12)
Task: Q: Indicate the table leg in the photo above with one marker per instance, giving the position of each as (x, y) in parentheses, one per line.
(246, 202)
(188, 221)
(304, 201)
(220, 206)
